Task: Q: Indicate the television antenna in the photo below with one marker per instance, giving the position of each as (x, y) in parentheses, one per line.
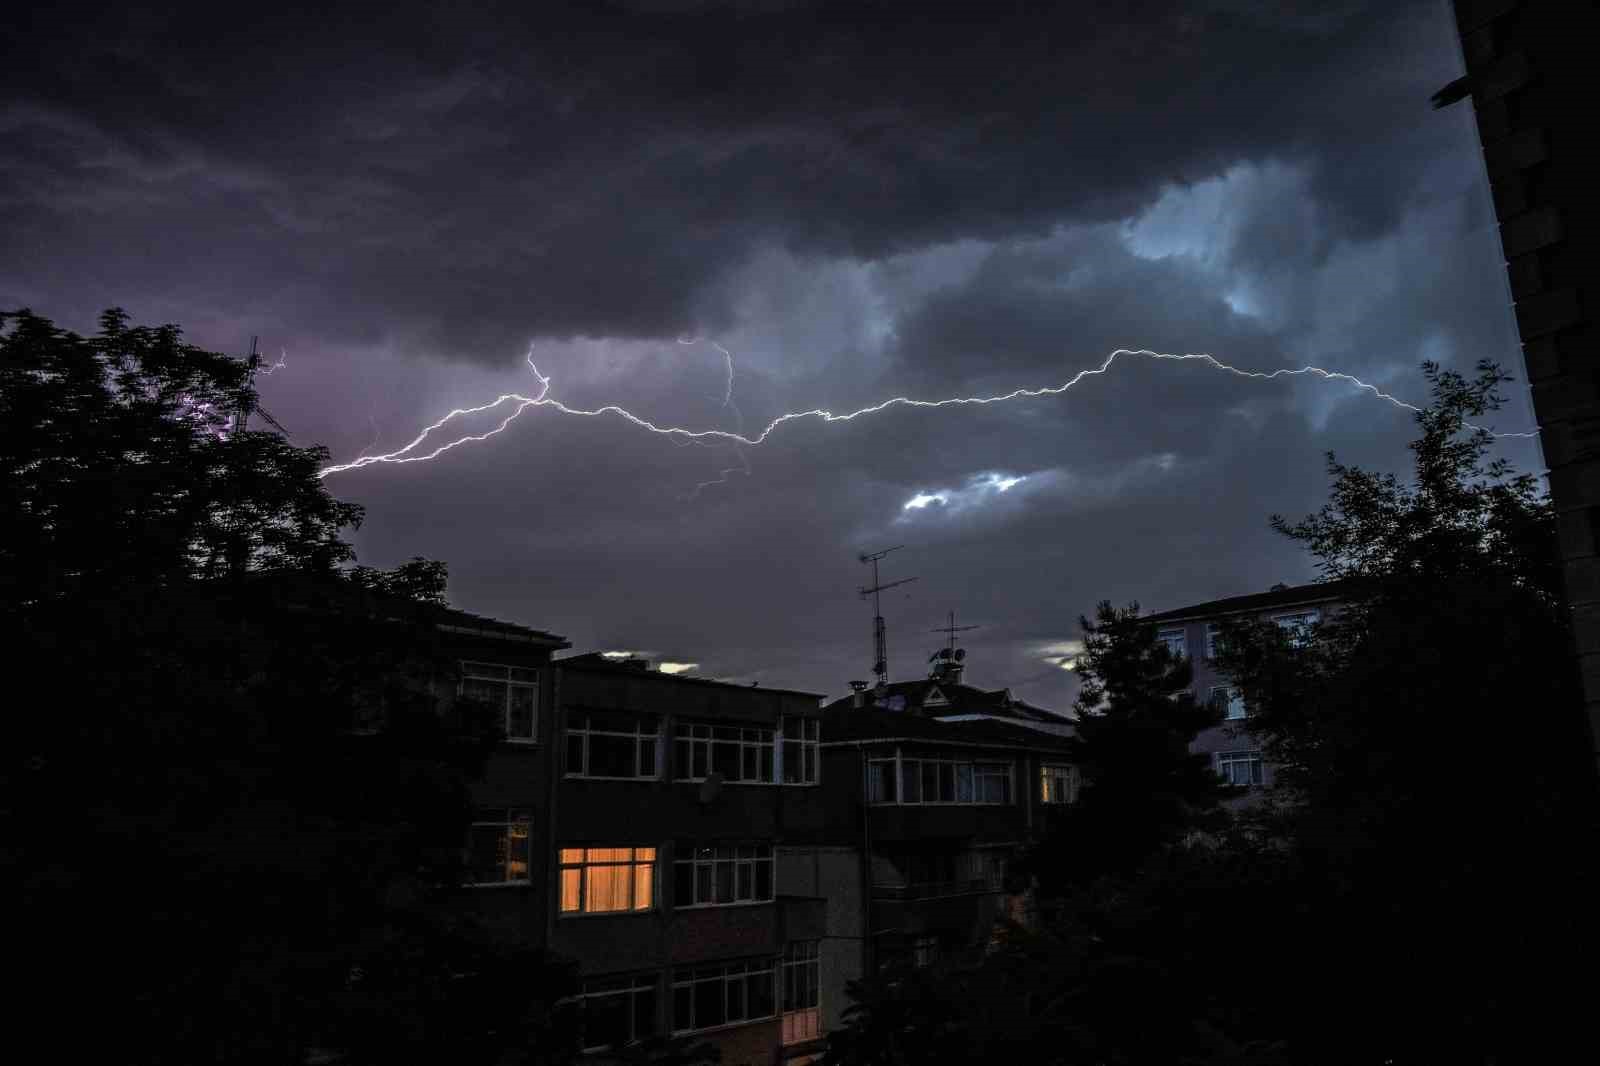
(880, 643)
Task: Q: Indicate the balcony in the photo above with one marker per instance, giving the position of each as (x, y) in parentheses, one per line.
(910, 890)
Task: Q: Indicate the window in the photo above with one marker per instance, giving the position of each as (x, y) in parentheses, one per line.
(1240, 767)
(802, 989)
(510, 690)
(924, 951)
(1231, 700)
(612, 744)
(1057, 784)
(1298, 625)
(497, 847)
(1213, 639)
(936, 780)
(799, 752)
(880, 780)
(617, 1010)
(1176, 640)
(607, 880)
(704, 997)
(716, 875)
(738, 754)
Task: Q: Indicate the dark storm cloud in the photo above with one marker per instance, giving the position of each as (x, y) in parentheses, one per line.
(459, 180)
(859, 201)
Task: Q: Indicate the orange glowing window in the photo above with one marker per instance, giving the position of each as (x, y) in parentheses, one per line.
(607, 880)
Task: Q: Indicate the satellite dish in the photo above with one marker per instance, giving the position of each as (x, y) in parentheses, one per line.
(711, 787)
(961, 653)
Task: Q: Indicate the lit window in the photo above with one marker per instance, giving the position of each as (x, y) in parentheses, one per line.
(617, 1010)
(497, 847)
(511, 690)
(799, 751)
(1230, 700)
(705, 997)
(607, 880)
(612, 744)
(715, 875)
(1057, 784)
(1176, 641)
(1299, 626)
(1240, 767)
(802, 991)
(739, 754)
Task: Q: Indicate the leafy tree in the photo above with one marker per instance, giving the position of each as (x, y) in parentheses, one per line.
(232, 803)
(1432, 754)
(1142, 788)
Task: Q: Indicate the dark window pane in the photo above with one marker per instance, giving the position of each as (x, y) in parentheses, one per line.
(725, 760)
(702, 882)
(485, 859)
(763, 880)
(680, 758)
(793, 763)
(574, 753)
(930, 782)
(947, 782)
(760, 994)
(682, 1007)
(644, 1013)
(520, 717)
(736, 1001)
(708, 1006)
(766, 763)
(747, 881)
(811, 765)
(749, 767)
(724, 881)
(701, 767)
(682, 884)
(611, 756)
(605, 1021)
(647, 758)
(911, 782)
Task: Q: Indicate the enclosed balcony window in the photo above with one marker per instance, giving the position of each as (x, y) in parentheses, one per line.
(607, 880)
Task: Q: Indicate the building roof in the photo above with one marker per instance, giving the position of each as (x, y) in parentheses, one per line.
(1281, 596)
(865, 725)
(952, 697)
(595, 662)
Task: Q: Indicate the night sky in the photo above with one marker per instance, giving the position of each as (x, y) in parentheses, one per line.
(856, 201)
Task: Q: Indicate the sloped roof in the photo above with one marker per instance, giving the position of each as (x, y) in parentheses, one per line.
(1289, 596)
(859, 725)
(596, 663)
(960, 699)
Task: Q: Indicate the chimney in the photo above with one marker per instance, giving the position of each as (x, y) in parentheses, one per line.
(858, 691)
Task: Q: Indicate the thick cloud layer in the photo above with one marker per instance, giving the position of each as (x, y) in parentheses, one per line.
(856, 201)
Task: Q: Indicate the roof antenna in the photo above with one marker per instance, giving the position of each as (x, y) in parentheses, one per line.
(947, 661)
(880, 644)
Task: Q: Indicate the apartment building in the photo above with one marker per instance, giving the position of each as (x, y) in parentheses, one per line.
(1194, 631)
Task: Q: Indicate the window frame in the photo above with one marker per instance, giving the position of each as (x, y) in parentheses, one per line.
(479, 670)
(583, 734)
(584, 863)
(688, 736)
(807, 746)
(972, 780)
(1066, 776)
(686, 854)
(802, 965)
(480, 820)
(1231, 698)
(733, 971)
(1297, 625)
(629, 985)
(1164, 635)
(1213, 638)
(1249, 758)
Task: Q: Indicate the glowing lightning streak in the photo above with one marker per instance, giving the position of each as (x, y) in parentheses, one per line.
(738, 452)
(543, 399)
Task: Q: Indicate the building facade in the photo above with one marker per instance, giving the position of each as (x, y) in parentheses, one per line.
(1194, 630)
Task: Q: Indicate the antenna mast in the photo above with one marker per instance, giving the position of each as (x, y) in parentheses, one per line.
(953, 629)
(947, 660)
(880, 643)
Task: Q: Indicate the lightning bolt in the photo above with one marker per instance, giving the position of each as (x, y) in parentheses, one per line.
(268, 371)
(410, 453)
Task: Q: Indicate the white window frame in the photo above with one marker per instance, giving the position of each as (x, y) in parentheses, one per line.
(630, 986)
(691, 737)
(1298, 624)
(970, 765)
(802, 976)
(639, 736)
(580, 859)
(514, 818)
(727, 973)
(515, 679)
(1176, 638)
(1251, 760)
(1065, 778)
(1232, 701)
(804, 750)
(1213, 632)
(737, 857)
